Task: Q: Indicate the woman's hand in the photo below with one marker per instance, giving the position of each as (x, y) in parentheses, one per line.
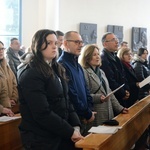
(76, 136)
(8, 112)
(127, 95)
(103, 98)
(12, 102)
(125, 111)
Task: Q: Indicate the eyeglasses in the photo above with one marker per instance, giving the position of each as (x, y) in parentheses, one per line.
(2, 49)
(113, 40)
(76, 41)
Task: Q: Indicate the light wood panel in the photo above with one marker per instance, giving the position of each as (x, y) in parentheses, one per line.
(133, 125)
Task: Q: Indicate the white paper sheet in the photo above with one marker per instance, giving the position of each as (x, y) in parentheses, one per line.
(144, 82)
(104, 129)
(7, 118)
(115, 90)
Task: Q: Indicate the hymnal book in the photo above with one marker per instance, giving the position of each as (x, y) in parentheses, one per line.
(104, 129)
(144, 82)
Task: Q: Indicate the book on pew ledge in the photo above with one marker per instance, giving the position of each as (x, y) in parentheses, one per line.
(104, 129)
(7, 118)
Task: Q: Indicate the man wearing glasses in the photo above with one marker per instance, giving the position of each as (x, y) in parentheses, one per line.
(78, 92)
(113, 68)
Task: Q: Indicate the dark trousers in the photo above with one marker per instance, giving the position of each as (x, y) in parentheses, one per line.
(34, 142)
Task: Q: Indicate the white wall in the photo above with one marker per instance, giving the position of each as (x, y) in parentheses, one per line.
(69, 13)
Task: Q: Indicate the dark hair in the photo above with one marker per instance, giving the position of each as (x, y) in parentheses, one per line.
(38, 40)
(104, 36)
(59, 33)
(2, 43)
(141, 51)
(123, 42)
(13, 39)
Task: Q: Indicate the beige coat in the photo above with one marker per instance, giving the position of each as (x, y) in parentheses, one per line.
(3, 93)
(1, 109)
(8, 80)
(105, 111)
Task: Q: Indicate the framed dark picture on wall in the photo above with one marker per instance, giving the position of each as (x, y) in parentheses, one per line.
(88, 32)
(139, 38)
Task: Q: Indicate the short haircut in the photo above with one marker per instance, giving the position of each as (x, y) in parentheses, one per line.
(59, 33)
(13, 39)
(123, 42)
(141, 51)
(68, 34)
(104, 36)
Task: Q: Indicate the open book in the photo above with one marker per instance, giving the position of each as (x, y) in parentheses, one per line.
(144, 82)
(114, 91)
(104, 129)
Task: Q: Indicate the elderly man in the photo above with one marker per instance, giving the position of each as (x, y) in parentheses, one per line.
(78, 92)
(113, 68)
(13, 54)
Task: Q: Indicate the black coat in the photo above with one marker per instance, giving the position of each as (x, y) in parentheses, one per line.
(142, 72)
(134, 90)
(115, 74)
(44, 106)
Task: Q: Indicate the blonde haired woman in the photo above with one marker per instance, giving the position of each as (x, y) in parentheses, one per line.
(98, 85)
(125, 55)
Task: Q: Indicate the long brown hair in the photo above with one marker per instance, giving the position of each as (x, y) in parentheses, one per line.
(38, 40)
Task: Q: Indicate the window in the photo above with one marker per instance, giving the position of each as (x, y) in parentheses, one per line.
(10, 17)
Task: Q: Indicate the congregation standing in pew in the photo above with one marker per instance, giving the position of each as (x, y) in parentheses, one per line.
(98, 86)
(49, 121)
(113, 68)
(9, 98)
(125, 55)
(13, 54)
(78, 91)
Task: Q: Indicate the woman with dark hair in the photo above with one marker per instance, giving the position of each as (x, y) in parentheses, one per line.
(141, 69)
(106, 107)
(49, 121)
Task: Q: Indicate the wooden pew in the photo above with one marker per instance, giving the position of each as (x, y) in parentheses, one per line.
(133, 125)
(9, 135)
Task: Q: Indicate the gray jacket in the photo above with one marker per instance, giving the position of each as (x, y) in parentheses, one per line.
(105, 110)
(13, 60)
